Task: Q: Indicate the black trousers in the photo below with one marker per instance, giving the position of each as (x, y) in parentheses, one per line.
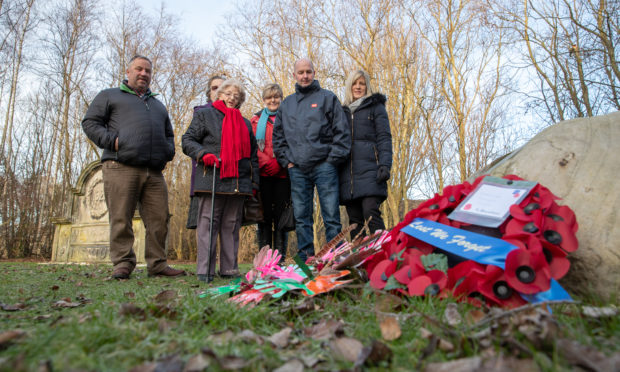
(275, 193)
(360, 210)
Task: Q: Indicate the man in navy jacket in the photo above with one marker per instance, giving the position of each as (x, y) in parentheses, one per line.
(310, 138)
(134, 131)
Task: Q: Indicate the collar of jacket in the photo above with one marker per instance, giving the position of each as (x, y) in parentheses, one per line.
(125, 88)
(302, 91)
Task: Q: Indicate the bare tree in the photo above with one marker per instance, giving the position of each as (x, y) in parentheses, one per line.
(571, 47)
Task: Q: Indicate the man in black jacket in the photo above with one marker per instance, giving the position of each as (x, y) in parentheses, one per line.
(135, 133)
(311, 137)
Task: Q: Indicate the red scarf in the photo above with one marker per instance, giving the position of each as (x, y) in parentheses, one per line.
(235, 143)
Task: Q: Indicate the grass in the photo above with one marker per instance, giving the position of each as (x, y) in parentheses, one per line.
(102, 334)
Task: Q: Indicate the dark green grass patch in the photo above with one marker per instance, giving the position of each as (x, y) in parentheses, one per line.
(75, 317)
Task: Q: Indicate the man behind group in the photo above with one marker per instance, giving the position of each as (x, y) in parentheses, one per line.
(310, 138)
(135, 133)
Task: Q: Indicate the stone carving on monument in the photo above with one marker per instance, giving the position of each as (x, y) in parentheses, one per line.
(84, 235)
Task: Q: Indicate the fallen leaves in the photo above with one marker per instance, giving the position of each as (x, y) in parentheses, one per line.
(390, 329)
(451, 315)
(7, 337)
(324, 330)
(281, 339)
(14, 307)
(346, 348)
(600, 312)
(65, 302)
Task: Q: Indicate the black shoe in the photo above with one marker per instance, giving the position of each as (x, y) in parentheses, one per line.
(205, 278)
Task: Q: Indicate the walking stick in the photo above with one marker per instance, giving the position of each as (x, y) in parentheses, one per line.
(209, 274)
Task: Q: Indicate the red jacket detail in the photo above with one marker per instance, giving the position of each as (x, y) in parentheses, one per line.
(266, 155)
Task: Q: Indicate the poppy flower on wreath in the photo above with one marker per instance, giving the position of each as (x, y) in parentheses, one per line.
(419, 282)
(527, 271)
(464, 279)
(495, 288)
(382, 272)
(559, 233)
(555, 257)
(524, 221)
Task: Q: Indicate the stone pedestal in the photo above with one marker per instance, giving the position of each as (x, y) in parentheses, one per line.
(84, 236)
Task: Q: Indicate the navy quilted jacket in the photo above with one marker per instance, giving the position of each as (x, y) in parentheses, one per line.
(142, 126)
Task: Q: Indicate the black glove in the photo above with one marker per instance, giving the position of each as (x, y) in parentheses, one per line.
(383, 174)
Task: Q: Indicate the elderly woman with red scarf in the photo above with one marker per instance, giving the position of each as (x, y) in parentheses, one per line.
(223, 144)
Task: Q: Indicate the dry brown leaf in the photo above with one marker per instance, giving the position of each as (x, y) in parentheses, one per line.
(197, 363)
(65, 303)
(166, 296)
(600, 312)
(293, 365)
(163, 326)
(587, 357)
(43, 317)
(232, 363)
(221, 338)
(451, 316)
(346, 348)
(425, 333)
(386, 302)
(446, 346)
(373, 354)
(84, 318)
(324, 330)
(129, 295)
(310, 360)
(509, 364)
(15, 307)
(132, 309)
(249, 336)
(475, 316)
(7, 337)
(280, 339)
(390, 329)
(460, 365)
(54, 288)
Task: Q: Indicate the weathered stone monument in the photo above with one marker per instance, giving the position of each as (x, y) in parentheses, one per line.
(84, 235)
(579, 161)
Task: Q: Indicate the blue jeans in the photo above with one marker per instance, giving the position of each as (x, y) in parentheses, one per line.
(325, 177)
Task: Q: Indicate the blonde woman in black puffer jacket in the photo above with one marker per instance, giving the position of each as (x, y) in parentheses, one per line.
(364, 175)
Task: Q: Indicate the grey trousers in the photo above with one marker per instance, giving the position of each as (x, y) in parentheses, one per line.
(125, 188)
(227, 213)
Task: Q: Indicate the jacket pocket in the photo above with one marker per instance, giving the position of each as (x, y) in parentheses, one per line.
(325, 134)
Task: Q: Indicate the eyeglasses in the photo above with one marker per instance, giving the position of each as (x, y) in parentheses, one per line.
(231, 95)
(214, 88)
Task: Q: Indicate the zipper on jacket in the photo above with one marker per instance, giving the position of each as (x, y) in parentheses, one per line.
(351, 156)
(376, 155)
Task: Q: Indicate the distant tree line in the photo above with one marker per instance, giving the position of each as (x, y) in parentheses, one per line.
(466, 82)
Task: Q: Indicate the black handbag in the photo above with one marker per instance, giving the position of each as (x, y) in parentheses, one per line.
(287, 218)
(252, 210)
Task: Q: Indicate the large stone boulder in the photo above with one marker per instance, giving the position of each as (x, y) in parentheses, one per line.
(579, 161)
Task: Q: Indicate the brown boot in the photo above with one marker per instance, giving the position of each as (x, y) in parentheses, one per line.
(169, 272)
(121, 273)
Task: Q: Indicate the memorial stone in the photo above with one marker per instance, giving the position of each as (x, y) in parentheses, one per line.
(84, 235)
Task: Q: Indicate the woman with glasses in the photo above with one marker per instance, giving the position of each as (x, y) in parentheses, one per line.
(192, 216)
(222, 143)
(275, 186)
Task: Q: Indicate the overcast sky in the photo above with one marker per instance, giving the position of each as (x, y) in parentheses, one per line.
(199, 18)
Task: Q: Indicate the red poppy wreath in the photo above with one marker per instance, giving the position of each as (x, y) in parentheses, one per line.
(540, 231)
